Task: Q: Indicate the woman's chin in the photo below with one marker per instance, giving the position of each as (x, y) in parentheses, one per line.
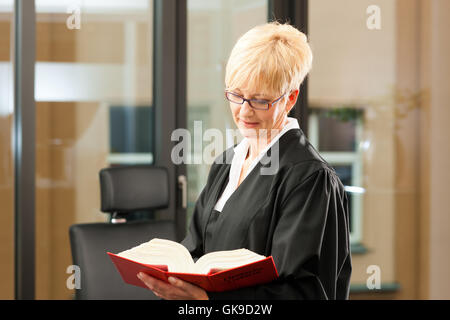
(248, 132)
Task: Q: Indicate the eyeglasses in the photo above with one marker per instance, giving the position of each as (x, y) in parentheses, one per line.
(258, 104)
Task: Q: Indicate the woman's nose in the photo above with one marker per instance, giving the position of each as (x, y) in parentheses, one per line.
(246, 108)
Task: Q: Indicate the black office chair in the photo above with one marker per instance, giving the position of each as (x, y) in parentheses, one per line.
(123, 190)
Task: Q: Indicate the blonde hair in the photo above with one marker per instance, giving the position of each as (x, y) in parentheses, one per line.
(274, 58)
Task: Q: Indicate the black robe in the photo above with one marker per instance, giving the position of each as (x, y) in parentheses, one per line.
(299, 216)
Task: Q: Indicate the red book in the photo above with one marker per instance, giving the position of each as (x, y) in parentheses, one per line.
(256, 272)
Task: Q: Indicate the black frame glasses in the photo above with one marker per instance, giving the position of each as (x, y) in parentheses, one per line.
(235, 98)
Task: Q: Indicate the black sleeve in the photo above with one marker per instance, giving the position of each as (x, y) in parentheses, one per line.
(310, 244)
(194, 238)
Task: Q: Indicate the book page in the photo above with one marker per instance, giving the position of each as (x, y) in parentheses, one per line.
(222, 260)
(162, 252)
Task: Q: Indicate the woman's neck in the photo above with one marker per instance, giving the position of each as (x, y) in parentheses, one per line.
(257, 144)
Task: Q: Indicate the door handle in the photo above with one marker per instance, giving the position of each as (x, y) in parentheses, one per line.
(182, 184)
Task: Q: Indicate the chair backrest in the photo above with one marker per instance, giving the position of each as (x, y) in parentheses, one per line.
(132, 188)
(123, 190)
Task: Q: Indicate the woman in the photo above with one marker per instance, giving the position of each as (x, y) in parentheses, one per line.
(298, 212)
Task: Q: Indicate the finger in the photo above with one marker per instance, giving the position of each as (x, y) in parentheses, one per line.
(183, 285)
(153, 284)
(190, 291)
(149, 281)
(161, 288)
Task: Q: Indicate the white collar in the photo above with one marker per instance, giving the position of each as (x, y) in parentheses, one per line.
(241, 150)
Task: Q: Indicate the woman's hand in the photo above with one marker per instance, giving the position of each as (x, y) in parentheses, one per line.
(176, 290)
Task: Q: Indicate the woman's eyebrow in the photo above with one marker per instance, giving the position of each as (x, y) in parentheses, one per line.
(261, 95)
(254, 95)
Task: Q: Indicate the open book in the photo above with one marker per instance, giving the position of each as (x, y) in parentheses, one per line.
(215, 271)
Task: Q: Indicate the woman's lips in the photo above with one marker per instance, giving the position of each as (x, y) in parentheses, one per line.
(249, 124)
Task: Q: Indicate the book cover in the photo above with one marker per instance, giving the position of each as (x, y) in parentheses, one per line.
(259, 272)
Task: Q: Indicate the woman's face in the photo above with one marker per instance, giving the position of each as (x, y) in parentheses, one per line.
(253, 123)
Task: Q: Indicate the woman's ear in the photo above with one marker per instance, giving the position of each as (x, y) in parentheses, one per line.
(292, 99)
(293, 96)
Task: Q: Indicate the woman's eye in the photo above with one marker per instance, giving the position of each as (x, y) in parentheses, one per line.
(261, 101)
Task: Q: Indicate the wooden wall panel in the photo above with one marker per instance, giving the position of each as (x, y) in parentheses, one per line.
(5, 40)
(6, 179)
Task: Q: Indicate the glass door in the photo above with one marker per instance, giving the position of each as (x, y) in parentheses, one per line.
(213, 27)
(356, 110)
(94, 109)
